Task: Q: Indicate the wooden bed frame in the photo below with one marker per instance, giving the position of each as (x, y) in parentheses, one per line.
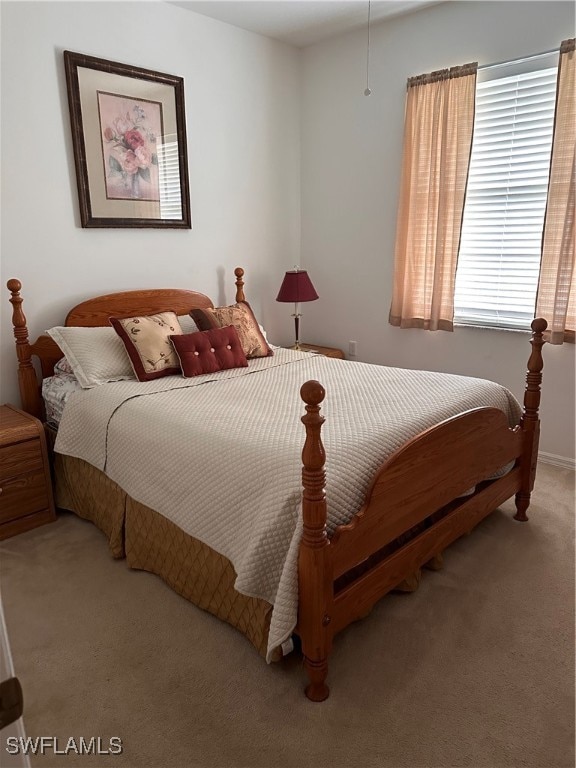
(413, 510)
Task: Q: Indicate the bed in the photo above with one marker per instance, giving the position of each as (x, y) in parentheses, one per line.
(396, 496)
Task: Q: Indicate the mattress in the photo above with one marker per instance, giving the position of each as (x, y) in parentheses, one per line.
(219, 455)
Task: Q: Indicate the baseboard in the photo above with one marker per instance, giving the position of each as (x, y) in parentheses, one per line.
(557, 461)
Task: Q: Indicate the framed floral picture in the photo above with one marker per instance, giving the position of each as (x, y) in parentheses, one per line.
(129, 140)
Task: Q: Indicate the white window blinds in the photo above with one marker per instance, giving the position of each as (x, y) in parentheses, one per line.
(501, 240)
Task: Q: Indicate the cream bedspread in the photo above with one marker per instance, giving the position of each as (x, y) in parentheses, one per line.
(220, 454)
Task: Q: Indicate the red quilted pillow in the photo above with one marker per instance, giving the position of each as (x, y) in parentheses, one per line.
(209, 351)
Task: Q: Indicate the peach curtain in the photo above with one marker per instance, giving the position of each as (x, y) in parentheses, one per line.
(556, 288)
(438, 131)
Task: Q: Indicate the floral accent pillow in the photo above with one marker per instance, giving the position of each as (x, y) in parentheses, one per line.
(209, 351)
(147, 341)
(242, 318)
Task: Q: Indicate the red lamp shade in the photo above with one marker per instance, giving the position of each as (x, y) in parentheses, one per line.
(297, 287)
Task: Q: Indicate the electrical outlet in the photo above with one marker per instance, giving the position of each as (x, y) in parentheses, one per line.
(352, 348)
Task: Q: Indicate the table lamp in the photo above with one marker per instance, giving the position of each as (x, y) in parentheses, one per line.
(297, 287)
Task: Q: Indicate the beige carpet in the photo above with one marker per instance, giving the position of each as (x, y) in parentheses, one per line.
(474, 669)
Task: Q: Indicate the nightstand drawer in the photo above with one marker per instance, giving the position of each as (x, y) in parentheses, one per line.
(23, 495)
(19, 458)
(25, 482)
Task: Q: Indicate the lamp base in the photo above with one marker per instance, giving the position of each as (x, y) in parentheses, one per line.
(297, 317)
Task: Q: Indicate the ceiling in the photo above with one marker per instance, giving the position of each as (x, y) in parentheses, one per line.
(301, 22)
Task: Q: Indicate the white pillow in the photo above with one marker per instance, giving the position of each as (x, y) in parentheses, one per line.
(96, 355)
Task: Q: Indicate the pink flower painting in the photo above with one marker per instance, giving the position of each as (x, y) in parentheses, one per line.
(130, 129)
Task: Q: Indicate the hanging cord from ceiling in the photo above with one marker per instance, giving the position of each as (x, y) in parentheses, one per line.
(367, 91)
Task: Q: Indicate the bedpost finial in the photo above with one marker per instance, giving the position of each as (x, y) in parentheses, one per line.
(239, 272)
(535, 362)
(539, 325)
(18, 316)
(312, 392)
(313, 455)
(27, 382)
(530, 421)
(19, 322)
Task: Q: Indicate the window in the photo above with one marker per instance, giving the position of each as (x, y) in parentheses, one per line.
(501, 239)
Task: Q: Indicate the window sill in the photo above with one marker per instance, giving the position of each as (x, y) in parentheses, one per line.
(493, 328)
(569, 336)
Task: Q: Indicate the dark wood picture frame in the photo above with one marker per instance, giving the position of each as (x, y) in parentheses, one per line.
(117, 157)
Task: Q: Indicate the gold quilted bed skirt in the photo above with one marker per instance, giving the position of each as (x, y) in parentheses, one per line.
(151, 542)
(83, 489)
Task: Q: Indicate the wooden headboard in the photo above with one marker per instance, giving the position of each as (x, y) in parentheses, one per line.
(91, 313)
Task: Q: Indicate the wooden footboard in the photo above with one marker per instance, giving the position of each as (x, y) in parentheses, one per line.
(425, 496)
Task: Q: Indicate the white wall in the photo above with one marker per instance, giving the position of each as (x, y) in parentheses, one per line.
(351, 155)
(242, 110)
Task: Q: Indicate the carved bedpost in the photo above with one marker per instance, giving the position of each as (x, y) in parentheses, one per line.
(239, 272)
(530, 421)
(314, 573)
(27, 379)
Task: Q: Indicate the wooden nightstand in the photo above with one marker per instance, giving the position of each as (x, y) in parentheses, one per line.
(327, 351)
(26, 499)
